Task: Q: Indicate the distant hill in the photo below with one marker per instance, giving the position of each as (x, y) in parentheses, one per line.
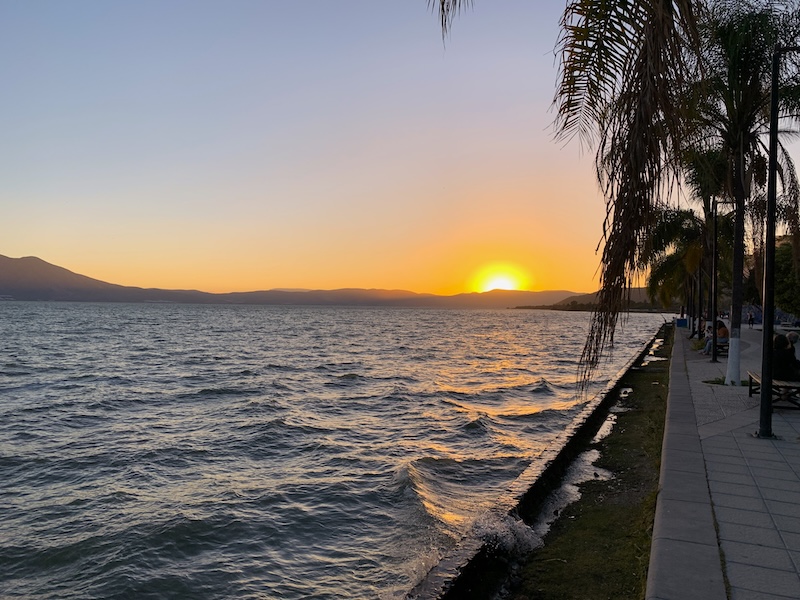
(637, 295)
(639, 300)
(31, 278)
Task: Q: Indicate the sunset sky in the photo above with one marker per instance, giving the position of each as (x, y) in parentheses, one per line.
(256, 144)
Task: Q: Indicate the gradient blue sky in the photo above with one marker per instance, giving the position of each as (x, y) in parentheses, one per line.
(255, 144)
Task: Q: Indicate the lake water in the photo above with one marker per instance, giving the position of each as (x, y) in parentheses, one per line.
(190, 451)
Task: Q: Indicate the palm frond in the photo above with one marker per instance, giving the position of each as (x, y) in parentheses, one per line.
(598, 45)
(448, 9)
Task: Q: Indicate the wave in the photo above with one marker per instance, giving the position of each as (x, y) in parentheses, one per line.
(219, 391)
(544, 387)
(162, 555)
(346, 380)
(438, 483)
(479, 424)
(519, 410)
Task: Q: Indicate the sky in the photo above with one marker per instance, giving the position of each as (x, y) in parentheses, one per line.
(257, 144)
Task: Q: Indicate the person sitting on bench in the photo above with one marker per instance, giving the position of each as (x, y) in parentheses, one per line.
(722, 337)
(785, 366)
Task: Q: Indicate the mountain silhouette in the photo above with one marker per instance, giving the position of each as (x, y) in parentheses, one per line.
(31, 278)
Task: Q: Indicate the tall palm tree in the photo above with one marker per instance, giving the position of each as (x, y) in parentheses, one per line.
(625, 86)
(732, 102)
(680, 246)
(705, 174)
(720, 85)
(622, 62)
(677, 246)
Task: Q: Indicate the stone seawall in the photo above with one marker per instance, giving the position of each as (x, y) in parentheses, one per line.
(475, 566)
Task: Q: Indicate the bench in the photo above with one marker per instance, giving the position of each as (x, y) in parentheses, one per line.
(722, 348)
(782, 391)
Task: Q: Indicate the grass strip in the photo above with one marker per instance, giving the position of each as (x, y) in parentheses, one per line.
(599, 546)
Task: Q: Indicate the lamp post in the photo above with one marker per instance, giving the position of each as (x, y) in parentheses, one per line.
(765, 414)
(714, 310)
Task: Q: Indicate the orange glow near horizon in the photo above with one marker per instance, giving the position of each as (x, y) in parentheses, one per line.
(500, 276)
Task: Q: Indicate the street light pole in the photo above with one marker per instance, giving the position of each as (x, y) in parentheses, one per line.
(714, 310)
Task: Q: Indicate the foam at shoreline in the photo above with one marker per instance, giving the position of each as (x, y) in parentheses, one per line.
(503, 530)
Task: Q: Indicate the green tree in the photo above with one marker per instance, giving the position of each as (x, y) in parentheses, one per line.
(677, 246)
(787, 281)
(680, 247)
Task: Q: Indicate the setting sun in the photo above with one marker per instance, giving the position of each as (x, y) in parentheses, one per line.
(500, 276)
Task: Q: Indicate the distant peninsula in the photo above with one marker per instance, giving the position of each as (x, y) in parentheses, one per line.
(31, 278)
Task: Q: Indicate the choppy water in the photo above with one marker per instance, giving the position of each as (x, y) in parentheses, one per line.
(182, 451)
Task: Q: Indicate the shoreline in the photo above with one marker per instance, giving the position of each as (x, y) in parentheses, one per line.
(474, 568)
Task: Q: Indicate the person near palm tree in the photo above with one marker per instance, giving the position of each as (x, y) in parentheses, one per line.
(785, 365)
(722, 337)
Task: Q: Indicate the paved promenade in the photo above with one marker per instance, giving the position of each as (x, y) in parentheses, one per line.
(728, 513)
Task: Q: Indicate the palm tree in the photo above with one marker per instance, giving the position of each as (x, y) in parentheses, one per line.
(622, 62)
(705, 174)
(677, 244)
(628, 85)
(680, 246)
(721, 85)
(732, 103)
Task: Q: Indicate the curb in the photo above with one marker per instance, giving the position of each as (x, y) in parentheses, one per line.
(685, 561)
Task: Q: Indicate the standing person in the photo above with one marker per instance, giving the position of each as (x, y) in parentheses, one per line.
(750, 319)
(793, 336)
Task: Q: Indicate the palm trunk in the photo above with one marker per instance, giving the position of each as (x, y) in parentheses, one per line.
(732, 376)
(700, 329)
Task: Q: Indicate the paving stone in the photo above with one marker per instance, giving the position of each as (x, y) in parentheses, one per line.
(772, 465)
(727, 468)
(766, 581)
(740, 594)
(711, 452)
(787, 473)
(682, 441)
(685, 521)
(721, 487)
(782, 508)
(699, 568)
(734, 478)
(796, 559)
(726, 460)
(684, 485)
(683, 460)
(743, 517)
(790, 484)
(759, 556)
(743, 502)
(761, 454)
(786, 523)
(754, 486)
(721, 441)
(780, 495)
(748, 534)
(792, 543)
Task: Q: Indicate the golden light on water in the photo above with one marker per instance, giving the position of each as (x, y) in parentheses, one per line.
(500, 276)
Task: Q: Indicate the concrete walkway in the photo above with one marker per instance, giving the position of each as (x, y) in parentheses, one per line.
(728, 513)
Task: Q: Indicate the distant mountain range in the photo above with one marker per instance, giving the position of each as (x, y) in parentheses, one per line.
(31, 278)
